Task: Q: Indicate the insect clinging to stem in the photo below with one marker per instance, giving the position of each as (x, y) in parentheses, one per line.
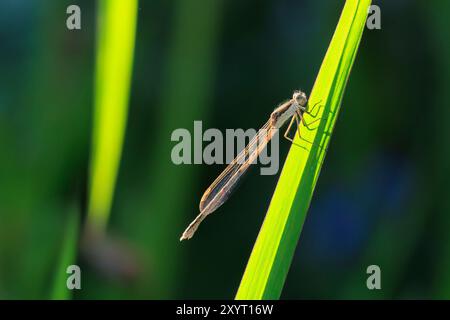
(220, 190)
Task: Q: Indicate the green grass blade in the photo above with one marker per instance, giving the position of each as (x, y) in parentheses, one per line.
(115, 48)
(68, 256)
(272, 253)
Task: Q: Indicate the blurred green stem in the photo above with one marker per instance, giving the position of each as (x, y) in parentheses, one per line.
(68, 255)
(115, 47)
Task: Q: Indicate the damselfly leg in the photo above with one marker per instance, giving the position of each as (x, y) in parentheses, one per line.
(297, 117)
(310, 112)
(286, 133)
(307, 125)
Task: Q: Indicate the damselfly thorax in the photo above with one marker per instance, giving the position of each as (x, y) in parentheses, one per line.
(295, 106)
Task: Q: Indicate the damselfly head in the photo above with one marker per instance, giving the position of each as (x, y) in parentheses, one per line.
(300, 97)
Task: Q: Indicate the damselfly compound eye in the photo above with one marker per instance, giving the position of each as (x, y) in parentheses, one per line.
(300, 97)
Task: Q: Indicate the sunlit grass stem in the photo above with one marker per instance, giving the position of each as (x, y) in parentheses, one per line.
(272, 253)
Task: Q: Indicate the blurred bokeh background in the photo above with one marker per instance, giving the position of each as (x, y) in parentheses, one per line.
(382, 197)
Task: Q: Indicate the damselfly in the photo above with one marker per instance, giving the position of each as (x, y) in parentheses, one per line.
(221, 189)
